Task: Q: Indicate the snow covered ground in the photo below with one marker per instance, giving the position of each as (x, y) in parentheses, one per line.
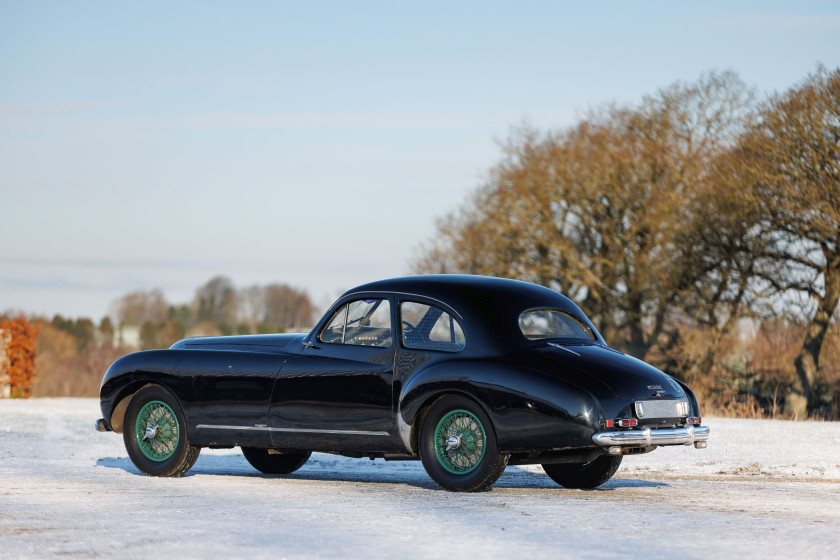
(763, 489)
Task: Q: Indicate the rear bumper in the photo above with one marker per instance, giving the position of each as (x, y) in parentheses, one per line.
(645, 437)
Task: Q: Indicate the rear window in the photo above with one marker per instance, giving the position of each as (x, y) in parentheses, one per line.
(550, 323)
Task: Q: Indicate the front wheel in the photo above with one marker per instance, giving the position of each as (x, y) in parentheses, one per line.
(584, 475)
(155, 434)
(274, 463)
(458, 446)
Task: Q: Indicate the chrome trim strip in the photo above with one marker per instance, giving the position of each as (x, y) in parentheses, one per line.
(647, 437)
(214, 427)
(294, 430)
(561, 347)
(340, 432)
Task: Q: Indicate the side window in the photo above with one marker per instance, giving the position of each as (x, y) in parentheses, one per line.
(365, 322)
(426, 327)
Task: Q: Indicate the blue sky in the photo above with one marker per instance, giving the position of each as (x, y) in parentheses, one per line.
(156, 144)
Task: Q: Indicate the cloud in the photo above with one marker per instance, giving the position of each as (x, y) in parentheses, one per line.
(233, 121)
(772, 21)
(351, 121)
(58, 107)
(403, 121)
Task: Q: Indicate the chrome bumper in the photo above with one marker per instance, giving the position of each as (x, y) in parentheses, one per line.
(645, 437)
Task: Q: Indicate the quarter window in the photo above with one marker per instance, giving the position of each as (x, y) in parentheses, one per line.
(426, 327)
(334, 332)
(365, 322)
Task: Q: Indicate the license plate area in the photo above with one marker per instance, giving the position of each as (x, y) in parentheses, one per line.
(667, 408)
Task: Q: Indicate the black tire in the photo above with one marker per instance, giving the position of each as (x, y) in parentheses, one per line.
(155, 434)
(475, 464)
(584, 475)
(271, 463)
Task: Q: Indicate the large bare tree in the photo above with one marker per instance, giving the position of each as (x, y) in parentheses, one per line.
(788, 168)
(602, 212)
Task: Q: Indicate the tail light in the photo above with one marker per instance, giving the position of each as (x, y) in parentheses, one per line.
(693, 420)
(627, 422)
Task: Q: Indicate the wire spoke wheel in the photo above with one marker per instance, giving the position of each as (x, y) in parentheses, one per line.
(156, 430)
(457, 445)
(155, 433)
(460, 441)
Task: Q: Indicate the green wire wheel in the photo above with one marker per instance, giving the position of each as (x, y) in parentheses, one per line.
(457, 445)
(460, 441)
(156, 430)
(155, 433)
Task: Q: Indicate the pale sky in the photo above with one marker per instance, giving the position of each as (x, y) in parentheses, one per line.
(157, 144)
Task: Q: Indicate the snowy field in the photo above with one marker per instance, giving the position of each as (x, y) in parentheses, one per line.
(763, 489)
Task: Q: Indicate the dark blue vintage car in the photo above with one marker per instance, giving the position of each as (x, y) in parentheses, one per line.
(468, 374)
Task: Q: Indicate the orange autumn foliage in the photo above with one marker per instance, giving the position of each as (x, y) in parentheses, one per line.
(19, 335)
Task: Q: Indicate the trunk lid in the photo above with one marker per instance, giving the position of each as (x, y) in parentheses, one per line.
(625, 376)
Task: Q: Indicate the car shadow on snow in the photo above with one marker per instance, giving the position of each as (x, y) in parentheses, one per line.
(122, 463)
(332, 468)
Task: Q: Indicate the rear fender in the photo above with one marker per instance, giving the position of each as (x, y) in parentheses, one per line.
(530, 410)
(692, 400)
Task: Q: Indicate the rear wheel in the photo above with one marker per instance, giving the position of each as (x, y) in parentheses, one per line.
(458, 446)
(274, 463)
(155, 434)
(584, 475)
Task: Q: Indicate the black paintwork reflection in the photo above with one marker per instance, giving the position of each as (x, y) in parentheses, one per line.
(335, 387)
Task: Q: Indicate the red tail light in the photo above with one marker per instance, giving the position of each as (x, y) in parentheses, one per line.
(609, 423)
(627, 422)
(695, 420)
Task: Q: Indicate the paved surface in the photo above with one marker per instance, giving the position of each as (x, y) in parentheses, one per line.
(67, 491)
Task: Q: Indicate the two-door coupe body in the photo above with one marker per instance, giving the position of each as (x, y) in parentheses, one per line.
(467, 373)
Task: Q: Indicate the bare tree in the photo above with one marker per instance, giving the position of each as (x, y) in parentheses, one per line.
(603, 211)
(287, 308)
(251, 301)
(139, 307)
(788, 167)
(275, 307)
(215, 302)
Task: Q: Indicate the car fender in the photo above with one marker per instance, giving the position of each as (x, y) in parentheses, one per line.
(692, 400)
(131, 372)
(530, 410)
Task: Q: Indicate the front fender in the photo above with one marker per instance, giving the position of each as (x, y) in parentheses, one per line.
(131, 372)
(530, 410)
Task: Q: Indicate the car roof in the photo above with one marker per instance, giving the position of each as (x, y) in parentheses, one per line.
(489, 306)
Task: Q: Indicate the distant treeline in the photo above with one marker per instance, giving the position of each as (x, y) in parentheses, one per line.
(675, 223)
(72, 355)
(218, 308)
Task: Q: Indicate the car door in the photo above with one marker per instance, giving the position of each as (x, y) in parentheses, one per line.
(337, 393)
(231, 397)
